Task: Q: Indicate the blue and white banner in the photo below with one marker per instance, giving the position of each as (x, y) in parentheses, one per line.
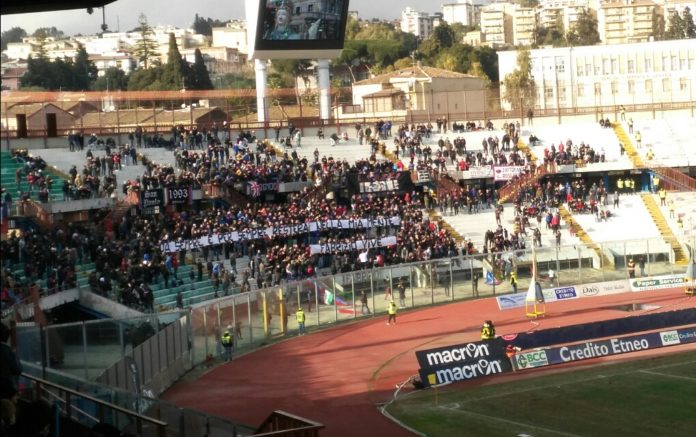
(603, 348)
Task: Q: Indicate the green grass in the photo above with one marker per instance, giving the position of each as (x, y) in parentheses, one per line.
(653, 397)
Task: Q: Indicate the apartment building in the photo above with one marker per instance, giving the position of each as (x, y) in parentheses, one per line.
(609, 75)
(463, 12)
(417, 23)
(507, 24)
(523, 25)
(496, 25)
(233, 35)
(624, 21)
(565, 11)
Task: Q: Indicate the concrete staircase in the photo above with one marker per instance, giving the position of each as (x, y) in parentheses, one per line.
(628, 145)
(436, 217)
(510, 190)
(524, 148)
(680, 257)
(584, 236)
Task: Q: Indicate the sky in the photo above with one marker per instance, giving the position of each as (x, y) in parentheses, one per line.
(123, 14)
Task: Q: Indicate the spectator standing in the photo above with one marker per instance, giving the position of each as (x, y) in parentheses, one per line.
(364, 307)
(392, 312)
(641, 265)
(10, 368)
(631, 268)
(402, 294)
(227, 343)
(300, 316)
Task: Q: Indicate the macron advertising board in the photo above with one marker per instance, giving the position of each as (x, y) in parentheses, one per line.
(462, 362)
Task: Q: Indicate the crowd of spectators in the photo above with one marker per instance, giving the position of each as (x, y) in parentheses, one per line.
(570, 153)
(34, 172)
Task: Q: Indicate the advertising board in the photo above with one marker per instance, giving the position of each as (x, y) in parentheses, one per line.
(656, 282)
(511, 301)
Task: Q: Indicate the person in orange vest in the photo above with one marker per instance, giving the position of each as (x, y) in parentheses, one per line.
(631, 268)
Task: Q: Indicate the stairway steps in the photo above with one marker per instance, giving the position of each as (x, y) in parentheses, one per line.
(663, 228)
(435, 216)
(583, 236)
(628, 145)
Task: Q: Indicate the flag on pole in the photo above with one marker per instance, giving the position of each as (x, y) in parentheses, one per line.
(490, 279)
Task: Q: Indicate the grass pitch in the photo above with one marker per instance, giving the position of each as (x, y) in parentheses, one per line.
(653, 397)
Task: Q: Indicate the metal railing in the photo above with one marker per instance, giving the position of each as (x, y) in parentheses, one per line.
(675, 178)
(87, 409)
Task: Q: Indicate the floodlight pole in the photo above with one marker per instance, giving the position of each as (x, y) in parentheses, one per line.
(324, 88)
(261, 99)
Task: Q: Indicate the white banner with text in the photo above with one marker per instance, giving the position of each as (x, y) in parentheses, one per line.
(278, 231)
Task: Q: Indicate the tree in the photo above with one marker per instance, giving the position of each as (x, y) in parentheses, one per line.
(488, 58)
(658, 25)
(286, 70)
(146, 46)
(41, 37)
(477, 70)
(49, 32)
(199, 73)
(85, 72)
(442, 38)
(461, 30)
(443, 35)
(204, 26)
(585, 31)
(677, 27)
(520, 89)
(456, 58)
(113, 79)
(689, 25)
(176, 74)
(12, 35)
(145, 79)
(352, 29)
(42, 73)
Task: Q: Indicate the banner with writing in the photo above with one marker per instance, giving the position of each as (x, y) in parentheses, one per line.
(278, 231)
(354, 245)
(506, 172)
(377, 186)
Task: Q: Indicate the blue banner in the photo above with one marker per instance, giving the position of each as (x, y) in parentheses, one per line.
(603, 348)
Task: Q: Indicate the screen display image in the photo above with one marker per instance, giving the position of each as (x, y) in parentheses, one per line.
(292, 24)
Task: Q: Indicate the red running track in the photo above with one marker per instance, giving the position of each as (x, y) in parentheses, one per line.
(340, 375)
